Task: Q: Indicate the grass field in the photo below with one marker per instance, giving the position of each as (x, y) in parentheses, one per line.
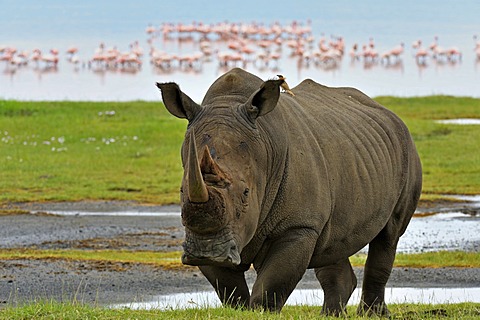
(88, 150)
(67, 151)
(450, 154)
(171, 259)
(75, 310)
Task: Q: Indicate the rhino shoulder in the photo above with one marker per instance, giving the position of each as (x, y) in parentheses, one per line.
(309, 85)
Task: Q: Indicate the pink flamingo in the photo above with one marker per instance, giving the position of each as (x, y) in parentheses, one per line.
(322, 46)
(51, 59)
(21, 58)
(369, 54)
(7, 54)
(72, 50)
(226, 58)
(129, 60)
(150, 30)
(398, 50)
(354, 52)
(477, 47)
(421, 54)
(72, 55)
(393, 53)
(451, 54)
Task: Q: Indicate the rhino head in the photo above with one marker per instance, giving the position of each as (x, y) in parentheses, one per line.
(225, 160)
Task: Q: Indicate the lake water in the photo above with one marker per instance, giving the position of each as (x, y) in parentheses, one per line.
(48, 24)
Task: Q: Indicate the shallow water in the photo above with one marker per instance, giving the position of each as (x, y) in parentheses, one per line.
(443, 231)
(315, 298)
(465, 121)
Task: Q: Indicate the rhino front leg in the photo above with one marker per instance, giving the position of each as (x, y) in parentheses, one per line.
(282, 268)
(229, 284)
(338, 283)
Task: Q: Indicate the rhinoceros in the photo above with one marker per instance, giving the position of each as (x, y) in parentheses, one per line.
(287, 183)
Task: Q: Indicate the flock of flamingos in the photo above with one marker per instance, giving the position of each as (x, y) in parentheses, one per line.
(230, 45)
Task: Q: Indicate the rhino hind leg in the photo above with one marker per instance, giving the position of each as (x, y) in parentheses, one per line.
(338, 283)
(229, 284)
(381, 255)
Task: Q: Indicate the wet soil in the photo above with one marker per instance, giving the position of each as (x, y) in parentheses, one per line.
(111, 282)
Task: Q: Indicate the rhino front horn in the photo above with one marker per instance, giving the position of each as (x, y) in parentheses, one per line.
(197, 189)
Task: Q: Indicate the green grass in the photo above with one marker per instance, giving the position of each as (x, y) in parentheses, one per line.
(450, 154)
(68, 151)
(171, 259)
(76, 310)
(437, 259)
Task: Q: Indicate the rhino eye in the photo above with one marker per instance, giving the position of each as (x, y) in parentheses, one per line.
(243, 146)
(206, 138)
(246, 192)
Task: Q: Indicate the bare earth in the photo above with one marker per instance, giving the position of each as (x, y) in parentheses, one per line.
(108, 283)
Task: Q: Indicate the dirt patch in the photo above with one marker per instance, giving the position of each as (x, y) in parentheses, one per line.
(160, 241)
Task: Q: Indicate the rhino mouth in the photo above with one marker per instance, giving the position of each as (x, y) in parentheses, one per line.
(219, 249)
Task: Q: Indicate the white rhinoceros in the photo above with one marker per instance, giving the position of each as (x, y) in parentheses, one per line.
(286, 183)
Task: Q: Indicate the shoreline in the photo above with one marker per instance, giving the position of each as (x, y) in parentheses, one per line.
(131, 207)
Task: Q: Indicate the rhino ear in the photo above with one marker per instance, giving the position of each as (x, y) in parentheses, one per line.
(177, 102)
(264, 99)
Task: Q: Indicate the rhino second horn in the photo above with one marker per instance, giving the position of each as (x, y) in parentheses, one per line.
(209, 167)
(197, 189)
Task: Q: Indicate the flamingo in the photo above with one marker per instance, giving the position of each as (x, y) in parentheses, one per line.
(421, 54)
(322, 46)
(7, 55)
(354, 52)
(393, 53)
(451, 54)
(150, 30)
(72, 50)
(51, 59)
(163, 60)
(477, 47)
(369, 54)
(21, 58)
(72, 55)
(36, 55)
(398, 50)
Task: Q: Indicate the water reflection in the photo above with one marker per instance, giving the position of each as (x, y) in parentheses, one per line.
(314, 298)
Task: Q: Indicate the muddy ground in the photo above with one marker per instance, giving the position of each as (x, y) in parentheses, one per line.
(108, 283)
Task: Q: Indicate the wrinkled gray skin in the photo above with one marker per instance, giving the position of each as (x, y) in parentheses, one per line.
(289, 183)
